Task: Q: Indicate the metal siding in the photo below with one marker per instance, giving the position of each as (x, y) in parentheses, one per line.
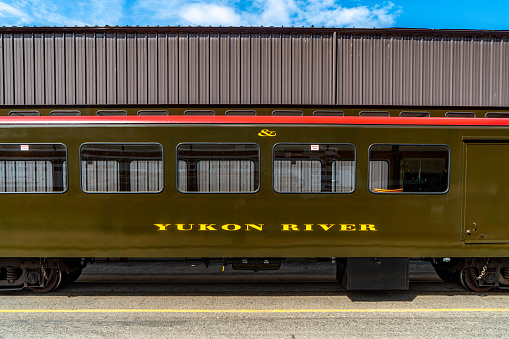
(504, 85)
(265, 68)
(28, 49)
(90, 69)
(121, 46)
(224, 67)
(215, 69)
(152, 69)
(235, 80)
(102, 74)
(142, 67)
(19, 72)
(60, 84)
(387, 80)
(344, 69)
(276, 68)
(245, 69)
(132, 69)
(203, 68)
(173, 69)
(327, 70)
(162, 68)
(70, 69)
(2, 77)
(194, 68)
(296, 69)
(286, 69)
(253, 68)
(49, 68)
(426, 68)
(81, 67)
(111, 69)
(183, 68)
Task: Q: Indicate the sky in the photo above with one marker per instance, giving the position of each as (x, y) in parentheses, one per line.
(444, 14)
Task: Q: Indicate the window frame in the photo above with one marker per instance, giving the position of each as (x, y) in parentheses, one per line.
(257, 165)
(309, 144)
(121, 143)
(411, 193)
(65, 177)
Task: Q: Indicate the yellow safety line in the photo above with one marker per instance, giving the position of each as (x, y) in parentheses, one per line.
(369, 310)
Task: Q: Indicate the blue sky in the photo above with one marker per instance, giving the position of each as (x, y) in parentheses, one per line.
(465, 14)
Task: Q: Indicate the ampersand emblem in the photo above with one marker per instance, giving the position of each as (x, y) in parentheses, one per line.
(267, 133)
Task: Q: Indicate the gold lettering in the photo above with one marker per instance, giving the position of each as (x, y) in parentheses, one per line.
(309, 227)
(347, 227)
(162, 227)
(207, 227)
(256, 227)
(180, 227)
(326, 227)
(290, 227)
(367, 227)
(228, 227)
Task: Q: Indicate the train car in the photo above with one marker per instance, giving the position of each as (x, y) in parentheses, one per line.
(369, 191)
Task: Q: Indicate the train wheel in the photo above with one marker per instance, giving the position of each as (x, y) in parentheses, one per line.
(51, 282)
(470, 282)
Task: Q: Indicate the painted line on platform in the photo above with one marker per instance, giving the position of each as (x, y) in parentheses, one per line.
(377, 310)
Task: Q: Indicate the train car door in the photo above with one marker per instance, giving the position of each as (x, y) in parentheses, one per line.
(486, 191)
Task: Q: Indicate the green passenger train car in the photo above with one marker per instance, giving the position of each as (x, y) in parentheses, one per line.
(369, 191)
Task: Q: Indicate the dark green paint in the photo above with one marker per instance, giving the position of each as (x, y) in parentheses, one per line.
(77, 224)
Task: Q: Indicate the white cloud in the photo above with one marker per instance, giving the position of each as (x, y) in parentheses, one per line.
(328, 13)
(210, 15)
(9, 13)
(276, 13)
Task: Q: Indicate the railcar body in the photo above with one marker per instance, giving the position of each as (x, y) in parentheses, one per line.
(255, 189)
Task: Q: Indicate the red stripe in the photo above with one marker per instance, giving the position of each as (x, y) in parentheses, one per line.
(305, 120)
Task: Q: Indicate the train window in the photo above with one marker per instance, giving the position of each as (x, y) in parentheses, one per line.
(460, 115)
(409, 168)
(329, 113)
(314, 168)
(134, 168)
(497, 115)
(33, 168)
(24, 113)
(111, 113)
(199, 112)
(243, 112)
(284, 113)
(374, 114)
(154, 112)
(65, 113)
(415, 114)
(218, 168)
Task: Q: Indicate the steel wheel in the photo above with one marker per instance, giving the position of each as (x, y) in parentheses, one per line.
(469, 281)
(51, 283)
